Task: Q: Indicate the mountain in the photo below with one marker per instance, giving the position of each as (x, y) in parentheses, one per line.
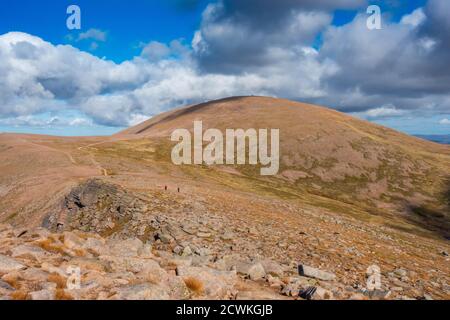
(348, 194)
(330, 155)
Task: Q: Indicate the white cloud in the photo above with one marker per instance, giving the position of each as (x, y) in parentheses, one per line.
(415, 19)
(93, 34)
(37, 76)
(155, 51)
(42, 122)
(138, 118)
(387, 111)
(80, 122)
(445, 121)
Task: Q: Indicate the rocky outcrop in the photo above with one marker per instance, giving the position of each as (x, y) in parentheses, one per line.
(79, 265)
(161, 245)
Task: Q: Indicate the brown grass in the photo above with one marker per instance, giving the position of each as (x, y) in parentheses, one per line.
(152, 278)
(60, 281)
(61, 294)
(12, 280)
(194, 285)
(50, 245)
(79, 252)
(19, 295)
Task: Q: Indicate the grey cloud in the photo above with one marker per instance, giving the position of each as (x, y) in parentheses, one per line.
(155, 51)
(403, 64)
(236, 36)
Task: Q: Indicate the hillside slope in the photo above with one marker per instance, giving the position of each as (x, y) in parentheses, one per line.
(333, 155)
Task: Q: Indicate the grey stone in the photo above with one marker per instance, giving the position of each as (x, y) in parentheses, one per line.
(4, 285)
(273, 268)
(165, 238)
(323, 294)
(145, 291)
(256, 272)
(126, 248)
(43, 295)
(216, 284)
(186, 251)
(29, 252)
(8, 264)
(94, 245)
(315, 273)
(400, 272)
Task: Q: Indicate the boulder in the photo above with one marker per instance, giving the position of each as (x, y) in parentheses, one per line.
(8, 264)
(311, 272)
(232, 261)
(165, 237)
(95, 246)
(72, 241)
(273, 268)
(6, 286)
(30, 252)
(125, 248)
(295, 285)
(201, 234)
(143, 267)
(323, 294)
(227, 236)
(216, 284)
(34, 275)
(187, 251)
(145, 291)
(274, 282)
(256, 272)
(400, 272)
(177, 288)
(43, 295)
(86, 264)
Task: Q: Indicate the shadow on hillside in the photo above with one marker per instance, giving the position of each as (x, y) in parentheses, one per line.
(437, 221)
(191, 109)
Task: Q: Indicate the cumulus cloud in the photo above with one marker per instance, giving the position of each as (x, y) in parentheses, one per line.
(39, 122)
(93, 34)
(403, 64)
(383, 112)
(37, 76)
(155, 50)
(444, 121)
(235, 37)
(416, 18)
(249, 47)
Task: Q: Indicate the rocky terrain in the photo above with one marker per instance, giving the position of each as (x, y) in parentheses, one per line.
(168, 245)
(350, 198)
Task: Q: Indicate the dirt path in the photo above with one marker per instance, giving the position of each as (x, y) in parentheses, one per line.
(92, 158)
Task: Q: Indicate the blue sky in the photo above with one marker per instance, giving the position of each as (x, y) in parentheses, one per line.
(136, 58)
(127, 23)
